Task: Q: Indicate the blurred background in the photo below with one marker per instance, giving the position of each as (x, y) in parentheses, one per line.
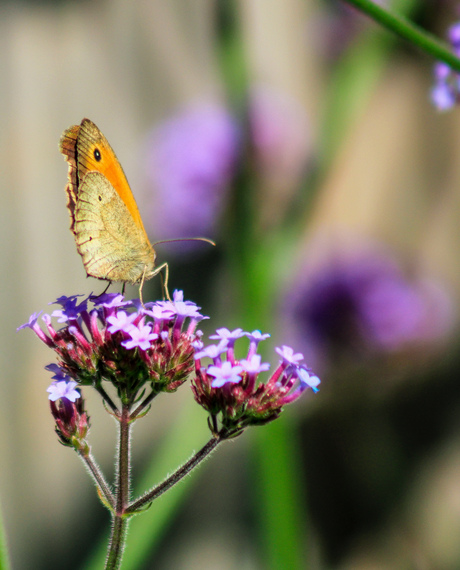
(300, 137)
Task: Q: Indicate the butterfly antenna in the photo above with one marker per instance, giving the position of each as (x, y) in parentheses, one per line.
(207, 240)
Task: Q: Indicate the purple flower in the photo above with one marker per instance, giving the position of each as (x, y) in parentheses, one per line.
(308, 380)
(225, 334)
(254, 365)
(225, 373)
(31, 323)
(159, 313)
(257, 336)
(212, 351)
(180, 307)
(446, 91)
(453, 35)
(121, 322)
(98, 346)
(141, 337)
(230, 390)
(72, 422)
(443, 96)
(70, 310)
(58, 373)
(360, 304)
(280, 133)
(288, 355)
(63, 389)
(109, 300)
(191, 160)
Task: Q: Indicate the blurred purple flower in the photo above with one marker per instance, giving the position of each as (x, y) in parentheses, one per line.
(191, 160)
(446, 89)
(363, 304)
(280, 134)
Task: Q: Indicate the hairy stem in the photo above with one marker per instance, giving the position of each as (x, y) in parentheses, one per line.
(120, 518)
(98, 476)
(117, 542)
(175, 477)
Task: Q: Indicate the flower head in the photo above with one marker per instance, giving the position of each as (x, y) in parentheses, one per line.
(231, 391)
(105, 339)
(71, 420)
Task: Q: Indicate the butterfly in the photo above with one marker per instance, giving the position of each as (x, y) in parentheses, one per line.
(105, 219)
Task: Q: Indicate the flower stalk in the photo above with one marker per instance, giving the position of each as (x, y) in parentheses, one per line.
(193, 462)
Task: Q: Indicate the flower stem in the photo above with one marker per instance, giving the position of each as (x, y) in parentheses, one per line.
(117, 542)
(407, 30)
(175, 477)
(124, 460)
(120, 518)
(98, 476)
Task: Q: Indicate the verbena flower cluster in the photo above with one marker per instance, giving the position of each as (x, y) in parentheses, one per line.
(128, 349)
(446, 90)
(230, 387)
(139, 347)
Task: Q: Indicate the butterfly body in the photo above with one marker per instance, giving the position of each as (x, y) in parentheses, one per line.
(105, 220)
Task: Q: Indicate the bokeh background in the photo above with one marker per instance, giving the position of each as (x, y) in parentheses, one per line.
(300, 137)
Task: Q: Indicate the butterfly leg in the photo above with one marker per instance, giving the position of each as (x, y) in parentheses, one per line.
(158, 270)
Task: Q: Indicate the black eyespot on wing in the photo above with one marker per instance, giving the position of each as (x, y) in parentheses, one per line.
(100, 198)
(97, 154)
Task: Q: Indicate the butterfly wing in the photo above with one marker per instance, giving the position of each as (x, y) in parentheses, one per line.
(86, 149)
(111, 244)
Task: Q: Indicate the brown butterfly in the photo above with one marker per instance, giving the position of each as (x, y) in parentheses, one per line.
(105, 220)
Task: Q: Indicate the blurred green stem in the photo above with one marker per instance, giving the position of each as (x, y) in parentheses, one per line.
(405, 29)
(4, 561)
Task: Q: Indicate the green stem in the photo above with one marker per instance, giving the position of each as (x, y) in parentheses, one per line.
(4, 558)
(120, 518)
(175, 477)
(117, 542)
(408, 31)
(124, 461)
(98, 476)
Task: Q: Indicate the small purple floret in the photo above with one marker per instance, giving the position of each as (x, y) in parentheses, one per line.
(121, 322)
(253, 365)
(141, 337)
(226, 373)
(63, 389)
(58, 373)
(287, 354)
